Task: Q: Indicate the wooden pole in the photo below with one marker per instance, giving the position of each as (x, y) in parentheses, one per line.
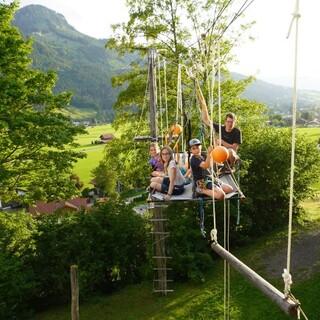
(152, 94)
(74, 292)
(286, 304)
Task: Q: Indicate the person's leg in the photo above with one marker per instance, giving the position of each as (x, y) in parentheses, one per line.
(155, 186)
(157, 179)
(156, 173)
(226, 187)
(233, 157)
(218, 193)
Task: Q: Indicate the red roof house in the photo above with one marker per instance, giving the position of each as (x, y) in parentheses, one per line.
(75, 204)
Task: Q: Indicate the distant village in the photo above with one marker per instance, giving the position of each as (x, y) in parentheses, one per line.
(94, 195)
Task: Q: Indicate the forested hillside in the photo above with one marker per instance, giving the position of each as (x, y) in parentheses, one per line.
(85, 67)
(83, 64)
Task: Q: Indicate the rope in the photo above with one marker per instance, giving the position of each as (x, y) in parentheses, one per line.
(226, 270)
(286, 274)
(219, 92)
(165, 92)
(178, 93)
(179, 105)
(238, 201)
(224, 264)
(160, 95)
(201, 217)
(144, 102)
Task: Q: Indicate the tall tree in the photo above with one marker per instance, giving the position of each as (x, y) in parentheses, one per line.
(185, 32)
(35, 137)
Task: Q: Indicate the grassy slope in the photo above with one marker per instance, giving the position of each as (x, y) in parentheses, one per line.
(312, 134)
(94, 152)
(198, 301)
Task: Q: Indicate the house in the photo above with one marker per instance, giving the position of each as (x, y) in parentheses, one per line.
(106, 137)
(75, 204)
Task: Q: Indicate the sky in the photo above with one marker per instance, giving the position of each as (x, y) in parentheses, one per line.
(269, 57)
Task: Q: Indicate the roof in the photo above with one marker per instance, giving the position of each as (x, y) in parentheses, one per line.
(75, 204)
(106, 136)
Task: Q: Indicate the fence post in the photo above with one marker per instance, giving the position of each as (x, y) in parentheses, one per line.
(74, 292)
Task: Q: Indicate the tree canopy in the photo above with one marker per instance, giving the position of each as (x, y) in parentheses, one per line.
(35, 137)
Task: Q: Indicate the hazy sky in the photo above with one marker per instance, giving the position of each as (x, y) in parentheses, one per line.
(269, 57)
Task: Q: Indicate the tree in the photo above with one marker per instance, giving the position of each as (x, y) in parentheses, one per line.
(159, 24)
(35, 136)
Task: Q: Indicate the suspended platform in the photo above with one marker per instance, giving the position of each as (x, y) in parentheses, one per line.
(188, 194)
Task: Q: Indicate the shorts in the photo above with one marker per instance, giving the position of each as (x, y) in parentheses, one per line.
(208, 183)
(177, 190)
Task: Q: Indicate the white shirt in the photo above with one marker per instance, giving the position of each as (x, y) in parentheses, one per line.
(179, 177)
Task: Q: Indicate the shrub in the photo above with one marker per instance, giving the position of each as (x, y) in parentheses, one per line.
(108, 245)
(266, 185)
(17, 249)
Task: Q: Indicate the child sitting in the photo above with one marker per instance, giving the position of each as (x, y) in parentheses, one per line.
(201, 175)
(155, 161)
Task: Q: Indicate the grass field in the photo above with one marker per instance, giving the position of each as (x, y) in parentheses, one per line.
(79, 114)
(313, 134)
(196, 301)
(202, 300)
(94, 152)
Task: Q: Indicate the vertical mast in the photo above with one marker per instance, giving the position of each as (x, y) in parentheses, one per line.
(152, 93)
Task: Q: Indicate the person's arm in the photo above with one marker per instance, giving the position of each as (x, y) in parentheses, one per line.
(157, 174)
(188, 173)
(172, 177)
(206, 164)
(204, 109)
(234, 146)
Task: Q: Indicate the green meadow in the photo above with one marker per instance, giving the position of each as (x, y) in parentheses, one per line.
(203, 300)
(313, 134)
(94, 152)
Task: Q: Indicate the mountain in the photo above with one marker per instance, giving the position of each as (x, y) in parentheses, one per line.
(279, 98)
(85, 67)
(83, 64)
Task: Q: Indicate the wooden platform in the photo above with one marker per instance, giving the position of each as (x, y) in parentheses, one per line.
(187, 195)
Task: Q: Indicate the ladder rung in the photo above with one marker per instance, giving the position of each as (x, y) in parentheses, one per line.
(162, 268)
(161, 257)
(158, 220)
(163, 290)
(159, 232)
(157, 280)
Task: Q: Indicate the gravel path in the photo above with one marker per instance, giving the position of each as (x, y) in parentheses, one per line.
(305, 256)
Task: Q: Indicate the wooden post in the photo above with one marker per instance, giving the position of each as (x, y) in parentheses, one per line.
(152, 94)
(286, 304)
(74, 292)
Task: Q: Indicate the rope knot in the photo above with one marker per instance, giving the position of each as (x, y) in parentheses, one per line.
(287, 278)
(214, 234)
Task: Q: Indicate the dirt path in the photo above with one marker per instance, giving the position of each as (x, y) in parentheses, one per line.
(305, 256)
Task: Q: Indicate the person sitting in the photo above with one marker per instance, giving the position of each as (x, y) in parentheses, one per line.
(172, 181)
(231, 137)
(155, 161)
(201, 175)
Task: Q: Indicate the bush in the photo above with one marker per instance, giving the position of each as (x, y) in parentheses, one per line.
(267, 153)
(17, 250)
(108, 245)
